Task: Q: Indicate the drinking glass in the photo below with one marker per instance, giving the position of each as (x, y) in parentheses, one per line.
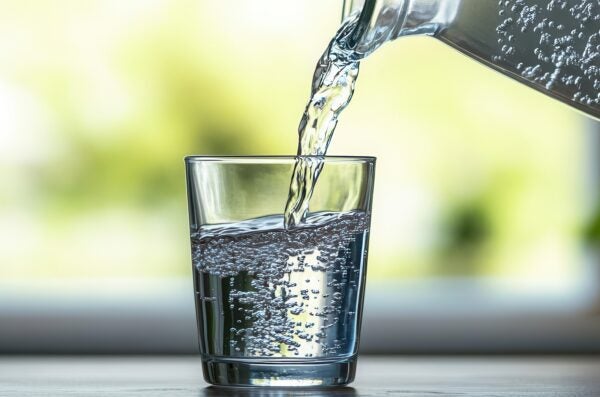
(278, 306)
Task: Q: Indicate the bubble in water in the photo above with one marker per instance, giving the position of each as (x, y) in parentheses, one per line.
(563, 37)
(277, 286)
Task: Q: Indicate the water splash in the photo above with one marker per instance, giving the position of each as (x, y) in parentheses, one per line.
(332, 89)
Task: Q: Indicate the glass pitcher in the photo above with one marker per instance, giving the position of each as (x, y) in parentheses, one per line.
(550, 45)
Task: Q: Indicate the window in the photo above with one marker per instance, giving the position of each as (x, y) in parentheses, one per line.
(485, 225)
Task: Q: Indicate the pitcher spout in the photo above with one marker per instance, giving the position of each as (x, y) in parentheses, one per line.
(380, 21)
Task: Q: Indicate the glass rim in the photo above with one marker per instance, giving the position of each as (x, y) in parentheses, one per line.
(276, 159)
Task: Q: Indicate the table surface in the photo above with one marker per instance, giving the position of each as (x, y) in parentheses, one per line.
(377, 376)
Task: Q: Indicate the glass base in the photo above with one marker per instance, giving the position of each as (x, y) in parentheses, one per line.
(279, 373)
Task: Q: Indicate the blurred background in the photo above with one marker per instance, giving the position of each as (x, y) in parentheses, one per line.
(486, 224)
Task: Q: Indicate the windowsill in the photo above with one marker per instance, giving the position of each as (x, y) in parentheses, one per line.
(428, 316)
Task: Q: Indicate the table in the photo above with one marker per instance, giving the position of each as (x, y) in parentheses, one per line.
(150, 376)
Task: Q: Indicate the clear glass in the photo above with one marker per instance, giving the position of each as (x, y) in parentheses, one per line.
(276, 306)
(552, 47)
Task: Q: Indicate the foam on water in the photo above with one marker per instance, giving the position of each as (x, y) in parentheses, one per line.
(267, 291)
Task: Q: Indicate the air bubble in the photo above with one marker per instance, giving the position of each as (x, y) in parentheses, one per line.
(568, 47)
(271, 271)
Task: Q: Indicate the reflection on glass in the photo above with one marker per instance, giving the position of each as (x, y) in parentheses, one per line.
(279, 392)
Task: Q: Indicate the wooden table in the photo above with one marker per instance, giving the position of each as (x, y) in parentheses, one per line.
(377, 376)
